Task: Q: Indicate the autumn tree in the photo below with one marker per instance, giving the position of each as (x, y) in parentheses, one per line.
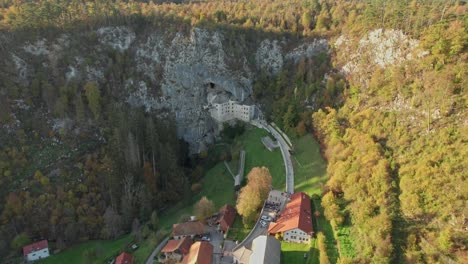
(252, 195)
(204, 208)
(322, 246)
(93, 95)
(306, 20)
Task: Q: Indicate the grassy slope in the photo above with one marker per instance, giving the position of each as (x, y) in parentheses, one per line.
(310, 170)
(257, 155)
(74, 255)
(238, 231)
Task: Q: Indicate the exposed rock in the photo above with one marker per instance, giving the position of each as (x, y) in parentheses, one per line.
(195, 66)
(269, 57)
(38, 48)
(71, 73)
(308, 50)
(141, 98)
(379, 48)
(22, 68)
(119, 38)
(179, 75)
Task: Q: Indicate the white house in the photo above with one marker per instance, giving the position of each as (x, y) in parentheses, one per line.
(295, 222)
(35, 251)
(229, 110)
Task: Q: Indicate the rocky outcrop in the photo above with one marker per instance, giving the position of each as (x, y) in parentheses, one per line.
(177, 74)
(378, 48)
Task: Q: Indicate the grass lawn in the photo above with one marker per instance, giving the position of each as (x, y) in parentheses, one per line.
(105, 249)
(142, 253)
(322, 225)
(218, 186)
(292, 253)
(258, 155)
(238, 231)
(310, 169)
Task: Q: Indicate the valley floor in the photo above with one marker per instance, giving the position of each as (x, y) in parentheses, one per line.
(310, 175)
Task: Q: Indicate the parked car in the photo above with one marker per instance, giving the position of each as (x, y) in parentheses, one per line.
(206, 238)
(263, 223)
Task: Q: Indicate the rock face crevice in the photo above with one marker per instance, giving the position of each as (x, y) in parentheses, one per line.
(176, 74)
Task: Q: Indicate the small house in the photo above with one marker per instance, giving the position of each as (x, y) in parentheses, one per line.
(36, 251)
(175, 250)
(124, 258)
(226, 217)
(201, 252)
(188, 229)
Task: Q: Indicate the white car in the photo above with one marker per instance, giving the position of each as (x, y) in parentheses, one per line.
(263, 223)
(266, 218)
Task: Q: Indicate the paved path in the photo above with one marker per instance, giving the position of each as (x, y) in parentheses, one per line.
(286, 158)
(240, 173)
(229, 169)
(150, 260)
(283, 135)
(256, 231)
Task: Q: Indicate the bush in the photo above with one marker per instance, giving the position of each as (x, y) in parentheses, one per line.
(196, 188)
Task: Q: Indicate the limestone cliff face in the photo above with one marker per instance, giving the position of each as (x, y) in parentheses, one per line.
(378, 48)
(176, 74)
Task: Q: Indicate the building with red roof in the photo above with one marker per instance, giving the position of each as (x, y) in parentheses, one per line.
(188, 229)
(124, 258)
(201, 252)
(175, 250)
(295, 222)
(226, 217)
(35, 251)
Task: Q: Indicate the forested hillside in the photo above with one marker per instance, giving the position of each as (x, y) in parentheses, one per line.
(387, 102)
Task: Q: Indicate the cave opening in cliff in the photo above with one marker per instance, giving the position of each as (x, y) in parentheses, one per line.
(212, 85)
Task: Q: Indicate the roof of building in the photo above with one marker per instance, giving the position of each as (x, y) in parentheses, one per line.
(201, 252)
(40, 245)
(297, 214)
(266, 249)
(189, 228)
(124, 258)
(181, 245)
(227, 214)
(242, 255)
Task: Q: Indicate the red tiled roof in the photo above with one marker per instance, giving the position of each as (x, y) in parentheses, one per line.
(189, 228)
(35, 247)
(297, 214)
(227, 214)
(200, 253)
(124, 258)
(182, 245)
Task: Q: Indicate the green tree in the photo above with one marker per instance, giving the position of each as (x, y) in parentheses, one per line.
(154, 220)
(20, 241)
(93, 95)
